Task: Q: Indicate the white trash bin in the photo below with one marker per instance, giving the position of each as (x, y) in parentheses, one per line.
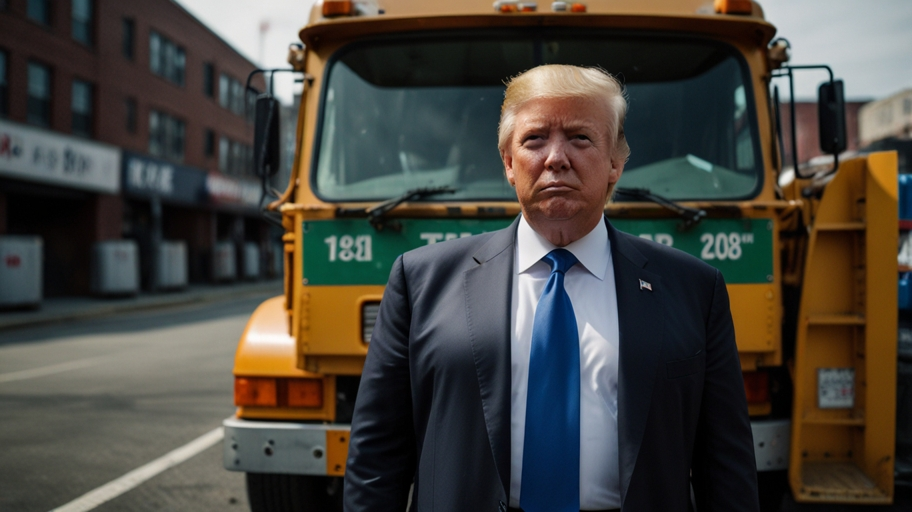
(21, 262)
(251, 260)
(224, 267)
(172, 265)
(115, 267)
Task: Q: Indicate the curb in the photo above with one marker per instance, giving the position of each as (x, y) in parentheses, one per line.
(95, 307)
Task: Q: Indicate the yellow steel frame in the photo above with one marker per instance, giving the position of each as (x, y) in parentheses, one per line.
(847, 319)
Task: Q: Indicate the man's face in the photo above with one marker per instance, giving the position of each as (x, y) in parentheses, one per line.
(560, 160)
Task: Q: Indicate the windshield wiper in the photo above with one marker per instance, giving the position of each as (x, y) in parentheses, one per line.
(375, 214)
(691, 216)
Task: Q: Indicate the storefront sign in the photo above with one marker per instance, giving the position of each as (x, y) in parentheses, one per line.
(39, 155)
(147, 177)
(226, 190)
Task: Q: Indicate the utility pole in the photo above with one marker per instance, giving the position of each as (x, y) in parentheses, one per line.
(264, 28)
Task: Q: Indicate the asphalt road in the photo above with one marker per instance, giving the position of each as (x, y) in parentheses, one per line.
(84, 403)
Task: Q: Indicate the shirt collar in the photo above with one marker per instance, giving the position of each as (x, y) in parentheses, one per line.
(593, 250)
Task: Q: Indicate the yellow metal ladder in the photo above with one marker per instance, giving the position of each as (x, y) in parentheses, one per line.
(842, 446)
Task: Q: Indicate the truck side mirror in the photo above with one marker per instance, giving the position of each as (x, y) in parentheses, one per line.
(266, 136)
(831, 117)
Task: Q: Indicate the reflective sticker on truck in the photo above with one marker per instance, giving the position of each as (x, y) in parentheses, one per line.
(351, 252)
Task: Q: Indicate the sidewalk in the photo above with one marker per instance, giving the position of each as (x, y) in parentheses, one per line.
(62, 309)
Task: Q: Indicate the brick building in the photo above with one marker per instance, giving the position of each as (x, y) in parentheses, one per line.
(125, 120)
(808, 133)
(890, 117)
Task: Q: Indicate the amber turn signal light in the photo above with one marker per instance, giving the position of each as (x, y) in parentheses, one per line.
(255, 392)
(305, 393)
(756, 387)
(267, 392)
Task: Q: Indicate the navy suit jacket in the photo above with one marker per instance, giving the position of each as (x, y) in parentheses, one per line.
(434, 403)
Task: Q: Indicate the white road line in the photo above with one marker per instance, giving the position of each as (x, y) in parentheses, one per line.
(49, 370)
(115, 488)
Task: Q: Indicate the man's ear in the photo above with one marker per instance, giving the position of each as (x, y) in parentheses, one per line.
(507, 158)
(617, 168)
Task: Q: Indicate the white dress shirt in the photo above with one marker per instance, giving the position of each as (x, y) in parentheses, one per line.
(590, 285)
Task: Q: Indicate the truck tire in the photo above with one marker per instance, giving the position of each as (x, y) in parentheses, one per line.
(268, 492)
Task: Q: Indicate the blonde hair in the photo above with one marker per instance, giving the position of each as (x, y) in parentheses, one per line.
(563, 81)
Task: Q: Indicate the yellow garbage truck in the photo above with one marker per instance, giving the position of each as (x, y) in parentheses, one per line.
(396, 148)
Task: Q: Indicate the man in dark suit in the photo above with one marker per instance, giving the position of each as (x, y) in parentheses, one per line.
(558, 364)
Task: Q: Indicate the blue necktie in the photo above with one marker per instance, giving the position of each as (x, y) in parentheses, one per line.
(551, 447)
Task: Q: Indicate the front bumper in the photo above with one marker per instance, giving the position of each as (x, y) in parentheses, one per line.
(772, 439)
(285, 447)
(318, 449)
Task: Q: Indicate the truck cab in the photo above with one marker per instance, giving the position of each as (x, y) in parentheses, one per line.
(396, 147)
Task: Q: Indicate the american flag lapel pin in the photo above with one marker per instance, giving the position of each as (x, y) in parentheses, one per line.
(645, 286)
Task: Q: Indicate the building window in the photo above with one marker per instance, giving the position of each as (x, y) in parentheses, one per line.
(39, 94)
(209, 79)
(82, 108)
(130, 104)
(907, 106)
(237, 98)
(251, 105)
(82, 21)
(209, 143)
(224, 150)
(129, 38)
(155, 53)
(235, 158)
(39, 10)
(166, 136)
(4, 85)
(166, 59)
(232, 95)
(224, 90)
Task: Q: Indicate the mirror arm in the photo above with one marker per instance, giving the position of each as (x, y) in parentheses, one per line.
(793, 122)
(835, 163)
(289, 190)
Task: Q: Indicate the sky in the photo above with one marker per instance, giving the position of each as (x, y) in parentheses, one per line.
(868, 43)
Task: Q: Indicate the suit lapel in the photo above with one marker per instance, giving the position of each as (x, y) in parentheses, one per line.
(488, 291)
(641, 327)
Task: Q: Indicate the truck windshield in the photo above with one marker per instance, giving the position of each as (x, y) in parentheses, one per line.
(423, 111)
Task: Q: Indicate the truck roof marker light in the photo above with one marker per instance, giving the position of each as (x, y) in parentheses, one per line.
(506, 6)
(568, 7)
(528, 7)
(333, 8)
(734, 6)
(249, 391)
